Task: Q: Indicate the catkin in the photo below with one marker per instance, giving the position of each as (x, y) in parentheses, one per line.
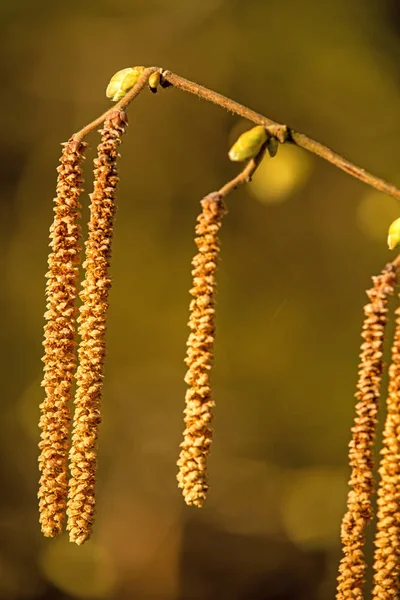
(195, 447)
(92, 329)
(387, 539)
(59, 340)
(359, 508)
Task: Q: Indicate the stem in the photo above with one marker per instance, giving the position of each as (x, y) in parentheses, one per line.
(283, 133)
(302, 140)
(244, 176)
(216, 98)
(121, 105)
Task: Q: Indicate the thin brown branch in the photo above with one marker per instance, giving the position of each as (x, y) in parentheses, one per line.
(282, 132)
(303, 141)
(122, 104)
(231, 105)
(245, 175)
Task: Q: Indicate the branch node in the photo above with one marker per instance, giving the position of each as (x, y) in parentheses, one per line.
(280, 132)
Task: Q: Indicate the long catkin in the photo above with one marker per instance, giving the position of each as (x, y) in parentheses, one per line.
(359, 502)
(59, 340)
(197, 436)
(92, 330)
(387, 538)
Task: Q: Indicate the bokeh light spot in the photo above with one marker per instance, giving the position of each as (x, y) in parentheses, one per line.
(313, 505)
(277, 178)
(375, 213)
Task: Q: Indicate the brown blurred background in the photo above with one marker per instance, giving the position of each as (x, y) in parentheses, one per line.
(299, 246)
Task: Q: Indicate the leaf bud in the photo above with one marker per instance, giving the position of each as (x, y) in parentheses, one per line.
(393, 239)
(154, 81)
(122, 81)
(249, 144)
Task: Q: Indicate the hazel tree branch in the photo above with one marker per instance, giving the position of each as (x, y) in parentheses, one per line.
(245, 175)
(282, 133)
(122, 104)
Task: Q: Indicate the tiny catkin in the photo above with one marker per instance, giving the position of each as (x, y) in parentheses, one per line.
(92, 329)
(359, 508)
(59, 340)
(387, 538)
(192, 463)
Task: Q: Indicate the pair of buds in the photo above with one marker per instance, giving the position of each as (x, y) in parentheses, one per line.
(124, 80)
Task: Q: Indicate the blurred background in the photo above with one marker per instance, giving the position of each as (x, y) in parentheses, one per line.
(298, 248)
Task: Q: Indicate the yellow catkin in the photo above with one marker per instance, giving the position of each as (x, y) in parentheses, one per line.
(387, 538)
(359, 508)
(59, 340)
(92, 329)
(192, 463)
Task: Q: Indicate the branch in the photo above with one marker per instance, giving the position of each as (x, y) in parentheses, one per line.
(244, 176)
(282, 133)
(122, 104)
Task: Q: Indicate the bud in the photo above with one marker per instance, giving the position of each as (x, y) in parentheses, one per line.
(154, 80)
(393, 239)
(249, 144)
(272, 146)
(122, 81)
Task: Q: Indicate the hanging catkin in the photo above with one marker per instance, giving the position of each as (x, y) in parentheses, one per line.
(59, 339)
(387, 538)
(359, 508)
(192, 463)
(92, 330)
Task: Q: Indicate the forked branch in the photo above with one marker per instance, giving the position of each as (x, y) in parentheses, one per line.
(282, 133)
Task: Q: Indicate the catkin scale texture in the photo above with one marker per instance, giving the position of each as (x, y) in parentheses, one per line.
(59, 340)
(359, 512)
(197, 436)
(92, 330)
(387, 538)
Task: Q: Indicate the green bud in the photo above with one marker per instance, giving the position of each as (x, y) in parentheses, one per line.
(122, 81)
(393, 239)
(249, 144)
(154, 80)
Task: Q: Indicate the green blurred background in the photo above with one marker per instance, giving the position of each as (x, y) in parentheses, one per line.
(298, 248)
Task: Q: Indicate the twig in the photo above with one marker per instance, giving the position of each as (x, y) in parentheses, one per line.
(122, 104)
(245, 175)
(276, 129)
(282, 132)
